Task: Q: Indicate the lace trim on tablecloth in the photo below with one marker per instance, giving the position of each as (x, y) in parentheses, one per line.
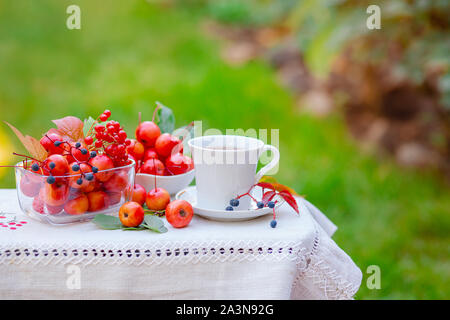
(311, 266)
(157, 253)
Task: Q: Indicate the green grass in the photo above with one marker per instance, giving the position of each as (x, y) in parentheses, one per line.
(129, 54)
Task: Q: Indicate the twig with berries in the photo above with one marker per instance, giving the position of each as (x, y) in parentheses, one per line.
(267, 199)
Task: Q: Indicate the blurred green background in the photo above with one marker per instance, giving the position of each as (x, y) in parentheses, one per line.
(129, 54)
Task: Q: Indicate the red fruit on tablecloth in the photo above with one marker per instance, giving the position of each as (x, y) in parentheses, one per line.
(157, 199)
(139, 194)
(179, 213)
(131, 214)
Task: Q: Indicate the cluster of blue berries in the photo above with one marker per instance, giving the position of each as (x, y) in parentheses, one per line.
(259, 204)
(76, 167)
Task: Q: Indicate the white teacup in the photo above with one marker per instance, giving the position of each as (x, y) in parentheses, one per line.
(225, 166)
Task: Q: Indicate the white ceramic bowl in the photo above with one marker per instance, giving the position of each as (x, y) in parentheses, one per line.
(172, 184)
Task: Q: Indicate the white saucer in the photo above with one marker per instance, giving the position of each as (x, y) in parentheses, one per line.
(190, 195)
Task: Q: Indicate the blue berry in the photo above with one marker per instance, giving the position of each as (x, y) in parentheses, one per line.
(50, 179)
(75, 167)
(83, 151)
(57, 143)
(52, 165)
(271, 204)
(234, 202)
(93, 154)
(94, 169)
(229, 208)
(89, 176)
(273, 223)
(77, 145)
(35, 167)
(80, 181)
(260, 204)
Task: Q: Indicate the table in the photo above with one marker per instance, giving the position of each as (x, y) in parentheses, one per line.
(207, 260)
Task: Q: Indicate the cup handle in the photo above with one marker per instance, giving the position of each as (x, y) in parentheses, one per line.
(271, 164)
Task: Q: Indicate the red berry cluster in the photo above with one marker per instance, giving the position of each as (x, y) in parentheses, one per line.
(109, 137)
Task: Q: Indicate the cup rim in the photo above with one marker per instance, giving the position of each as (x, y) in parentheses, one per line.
(20, 167)
(192, 145)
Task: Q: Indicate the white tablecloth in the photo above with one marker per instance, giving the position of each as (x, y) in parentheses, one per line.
(206, 260)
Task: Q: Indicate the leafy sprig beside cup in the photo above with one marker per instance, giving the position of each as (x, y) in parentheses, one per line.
(151, 223)
(274, 189)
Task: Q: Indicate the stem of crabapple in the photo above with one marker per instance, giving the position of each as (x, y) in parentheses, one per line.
(22, 155)
(154, 112)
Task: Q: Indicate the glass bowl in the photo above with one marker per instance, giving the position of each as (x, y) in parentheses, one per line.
(65, 201)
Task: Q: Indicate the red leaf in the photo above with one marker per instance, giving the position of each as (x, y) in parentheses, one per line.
(289, 199)
(266, 185)
(267, 196)
(32, 145)
(70, 127)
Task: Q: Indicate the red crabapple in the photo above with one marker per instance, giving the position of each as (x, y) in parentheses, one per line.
(179, 213)
(179, 164)
(57, 165)
(48, 142)
(76, 206)
(136, 149)
(117, 183)
(157, 199)
(139, 194)
(131, 214)
(102, 162)
(153, 166)
(98, 200)
(167, 144)
(147, 132)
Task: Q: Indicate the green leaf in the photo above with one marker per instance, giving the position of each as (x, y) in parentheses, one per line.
(138, 228)
(185, 133)
(154, 223)
(107, 222)
(165, 118)
(87, 124)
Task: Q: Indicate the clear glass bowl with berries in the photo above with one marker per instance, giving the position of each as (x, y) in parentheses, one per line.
(75, 171)
(74, 197)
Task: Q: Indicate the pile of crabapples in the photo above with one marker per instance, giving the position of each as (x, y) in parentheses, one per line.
(158, 153)
(178, 213)
(78, 176)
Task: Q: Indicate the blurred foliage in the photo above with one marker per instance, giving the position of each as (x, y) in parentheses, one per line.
(417, 29)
